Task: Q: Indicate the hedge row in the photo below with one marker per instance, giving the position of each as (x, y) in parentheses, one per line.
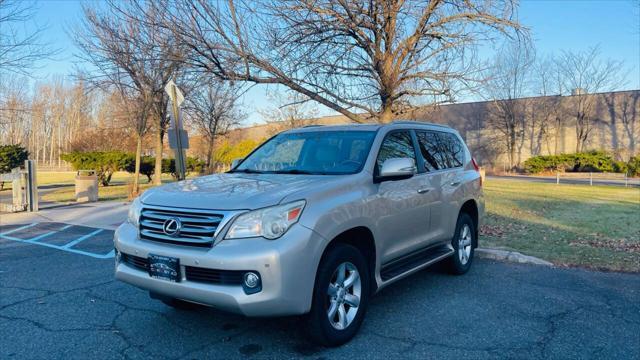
(12, 156)
(592, 161)
(105, 163)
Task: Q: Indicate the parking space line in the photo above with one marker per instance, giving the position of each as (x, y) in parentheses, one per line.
(42, 236)
(66, 247)
(18, 229)
(81, 239)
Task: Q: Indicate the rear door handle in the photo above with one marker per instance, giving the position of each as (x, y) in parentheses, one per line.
(455, 183)
(423, 191)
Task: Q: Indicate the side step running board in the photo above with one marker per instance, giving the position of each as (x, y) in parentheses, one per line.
(420, 258)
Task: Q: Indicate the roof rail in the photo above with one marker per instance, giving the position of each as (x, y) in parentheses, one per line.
(414, 122)
(308, 126)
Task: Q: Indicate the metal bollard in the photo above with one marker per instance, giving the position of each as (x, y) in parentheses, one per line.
(590, 179)
(32, 185)
(557, 178)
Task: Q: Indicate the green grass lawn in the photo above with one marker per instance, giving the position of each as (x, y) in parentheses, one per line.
(569, 225)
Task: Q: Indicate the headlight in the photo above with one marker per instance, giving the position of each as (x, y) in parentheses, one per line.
(271, 222)
(134, 211)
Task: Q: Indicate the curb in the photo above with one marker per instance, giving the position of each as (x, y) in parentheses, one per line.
(511, 256)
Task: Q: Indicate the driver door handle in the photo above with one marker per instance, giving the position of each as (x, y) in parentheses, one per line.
(455, 183)
(423, 190)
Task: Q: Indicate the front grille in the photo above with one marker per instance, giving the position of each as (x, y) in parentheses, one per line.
(214, 276)
(198, 227)
(137, 262)
(192, 273)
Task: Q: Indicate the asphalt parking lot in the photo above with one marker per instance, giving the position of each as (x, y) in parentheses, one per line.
(58, 299)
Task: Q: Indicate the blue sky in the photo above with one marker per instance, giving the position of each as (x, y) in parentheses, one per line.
(555, 25)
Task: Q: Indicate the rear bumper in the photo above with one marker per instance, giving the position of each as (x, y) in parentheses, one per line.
(287, 267)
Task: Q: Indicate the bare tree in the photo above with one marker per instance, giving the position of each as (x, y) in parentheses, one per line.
(582, 74)
(288, 110)
(212, 107)
(623, 109)
(368, 60)
(134, 57)
(20, 49)
(546, 111)
(15, 104)
(507, 82)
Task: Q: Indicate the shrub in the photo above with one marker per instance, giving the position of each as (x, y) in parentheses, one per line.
(12, 156)
(193, 165)
(147, 165)
(592, 161)
(633, 166)
(105, 163)
(542, 163)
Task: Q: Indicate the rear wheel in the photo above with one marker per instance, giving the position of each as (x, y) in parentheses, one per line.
(462, 243)
(340, 296)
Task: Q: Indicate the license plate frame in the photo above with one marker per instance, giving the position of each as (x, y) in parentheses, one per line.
(164, 267)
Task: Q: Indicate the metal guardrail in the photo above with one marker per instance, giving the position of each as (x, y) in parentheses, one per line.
(577, 178)
(595, 176)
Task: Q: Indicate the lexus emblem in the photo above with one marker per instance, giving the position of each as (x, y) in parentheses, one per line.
(172, 227)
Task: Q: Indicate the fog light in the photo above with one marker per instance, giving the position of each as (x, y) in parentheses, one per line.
(251, 280)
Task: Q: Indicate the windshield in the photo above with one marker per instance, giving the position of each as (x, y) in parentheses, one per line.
(313, 152)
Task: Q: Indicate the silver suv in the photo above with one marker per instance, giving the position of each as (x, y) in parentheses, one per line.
(314, 221)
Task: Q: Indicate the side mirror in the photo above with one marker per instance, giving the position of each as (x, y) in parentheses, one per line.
(235, 163)
(397, 168)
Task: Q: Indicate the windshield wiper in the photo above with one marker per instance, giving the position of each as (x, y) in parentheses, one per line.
(297, 171)
(247, 171)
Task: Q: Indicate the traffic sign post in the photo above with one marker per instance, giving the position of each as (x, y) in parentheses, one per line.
(178, 139)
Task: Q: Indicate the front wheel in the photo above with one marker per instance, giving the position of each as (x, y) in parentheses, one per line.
(340, 296)
(462, 243)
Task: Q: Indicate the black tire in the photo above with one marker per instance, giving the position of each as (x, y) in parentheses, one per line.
(456, 264)
(320, 329)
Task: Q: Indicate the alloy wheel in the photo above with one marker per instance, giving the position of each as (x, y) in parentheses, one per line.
(344, 293)
(464, 244)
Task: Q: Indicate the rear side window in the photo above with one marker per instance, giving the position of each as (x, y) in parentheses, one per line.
(453, 149)
(440, 150)
(431, 150)
(395, 145)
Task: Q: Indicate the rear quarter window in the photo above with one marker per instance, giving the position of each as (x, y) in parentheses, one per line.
(440, 150)
(431, 151)
(453, 149)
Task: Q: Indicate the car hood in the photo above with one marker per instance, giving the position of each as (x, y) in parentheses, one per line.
(231, 191)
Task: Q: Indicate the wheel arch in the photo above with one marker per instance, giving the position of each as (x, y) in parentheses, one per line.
(360, 237)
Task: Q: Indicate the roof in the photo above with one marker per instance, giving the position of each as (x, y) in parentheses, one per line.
(363, 127)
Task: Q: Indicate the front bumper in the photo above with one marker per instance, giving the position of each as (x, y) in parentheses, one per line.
(287, 267)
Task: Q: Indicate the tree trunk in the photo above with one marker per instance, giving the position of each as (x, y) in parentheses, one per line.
(386, 116)
(136, 175)
(210, 156)
(157, 175)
